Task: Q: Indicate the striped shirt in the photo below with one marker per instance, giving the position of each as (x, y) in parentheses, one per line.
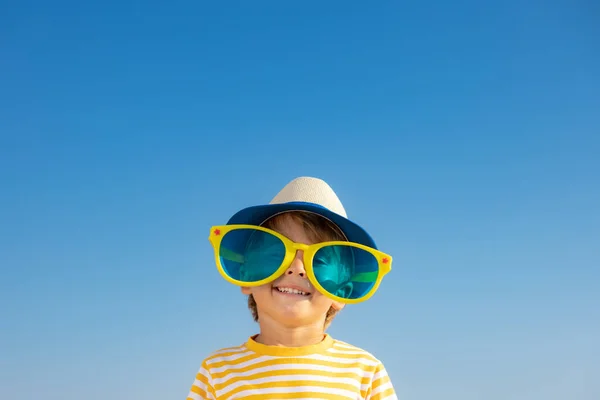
(328, 370)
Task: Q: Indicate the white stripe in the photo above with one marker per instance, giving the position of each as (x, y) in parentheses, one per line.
(297, 389)
(345, 345)
(228, 367)
(320, 357)
(312, 367)
(229, 350)
(194, 395)
(364, 361)
(381, 388)
(390, 397)
(348, 351)
(201, 386)
(229, 358)
(309, 379)
(204, 372)
(379, 375)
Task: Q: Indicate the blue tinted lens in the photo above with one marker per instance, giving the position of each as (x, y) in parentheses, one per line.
(250, 255)
(345, 271)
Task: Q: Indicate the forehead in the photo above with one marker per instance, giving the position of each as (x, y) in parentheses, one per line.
(315, 227)
(292, 228)
(297, 229)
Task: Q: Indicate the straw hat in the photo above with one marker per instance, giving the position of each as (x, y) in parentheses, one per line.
(306, 194)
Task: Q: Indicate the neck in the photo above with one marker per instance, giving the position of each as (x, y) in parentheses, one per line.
(274, 334)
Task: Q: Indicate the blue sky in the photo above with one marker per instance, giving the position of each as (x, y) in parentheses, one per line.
(463, 136)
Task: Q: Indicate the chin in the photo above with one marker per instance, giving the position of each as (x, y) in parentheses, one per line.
(293, 318)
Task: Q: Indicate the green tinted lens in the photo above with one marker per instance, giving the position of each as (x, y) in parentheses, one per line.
(250, 255)
(345, 271)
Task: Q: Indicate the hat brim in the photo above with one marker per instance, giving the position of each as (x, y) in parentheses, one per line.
(256, 215)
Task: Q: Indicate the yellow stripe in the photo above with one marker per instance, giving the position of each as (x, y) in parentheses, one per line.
(350, 355)
(297, 361)
(237, 361)
(292, 384)
(298, 395)
(202, 378)
(383, 380)
(199, 391)
(226, 352)
(267, 374)
(212, 391)
(383, 395)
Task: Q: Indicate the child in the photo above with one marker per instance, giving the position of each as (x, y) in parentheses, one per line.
(299, 260)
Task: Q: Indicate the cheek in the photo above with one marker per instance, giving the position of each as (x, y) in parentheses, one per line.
(321, 301)
(260, 292)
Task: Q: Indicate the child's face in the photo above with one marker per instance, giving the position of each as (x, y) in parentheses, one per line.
(290, 309)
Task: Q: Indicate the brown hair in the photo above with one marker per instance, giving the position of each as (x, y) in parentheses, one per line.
(318, 229)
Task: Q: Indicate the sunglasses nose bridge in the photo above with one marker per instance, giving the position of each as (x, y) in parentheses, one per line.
(299, 246)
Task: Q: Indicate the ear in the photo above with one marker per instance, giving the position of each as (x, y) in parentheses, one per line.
(246, 290)
(337, 306)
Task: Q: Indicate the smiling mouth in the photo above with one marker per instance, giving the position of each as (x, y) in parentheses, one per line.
(288, 290)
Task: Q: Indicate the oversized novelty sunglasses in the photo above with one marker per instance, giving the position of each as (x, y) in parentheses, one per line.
(249, 255)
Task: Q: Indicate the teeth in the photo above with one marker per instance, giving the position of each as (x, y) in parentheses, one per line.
(290, 290)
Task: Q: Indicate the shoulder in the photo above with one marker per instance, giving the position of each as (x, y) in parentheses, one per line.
(225, 358)
(380, 385)
(344, 353)
(344, 348)
(225, 352)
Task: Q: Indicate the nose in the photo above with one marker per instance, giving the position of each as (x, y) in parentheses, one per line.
(297, 266)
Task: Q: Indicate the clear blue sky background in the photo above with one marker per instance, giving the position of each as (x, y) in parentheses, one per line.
(464, 137)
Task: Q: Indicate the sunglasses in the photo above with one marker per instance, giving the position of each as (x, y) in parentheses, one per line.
(249, 255)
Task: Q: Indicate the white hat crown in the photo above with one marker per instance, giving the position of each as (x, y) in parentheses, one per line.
(310, 190)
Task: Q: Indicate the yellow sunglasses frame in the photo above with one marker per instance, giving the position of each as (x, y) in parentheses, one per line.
(219, 231)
